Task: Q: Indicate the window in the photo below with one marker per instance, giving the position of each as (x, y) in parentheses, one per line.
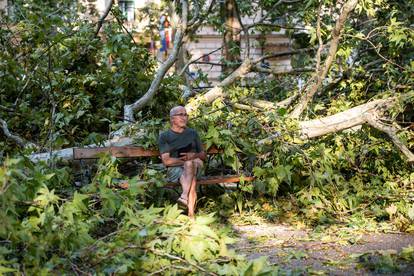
(128, 9)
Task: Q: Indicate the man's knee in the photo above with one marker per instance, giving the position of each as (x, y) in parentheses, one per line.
(189, 165)
(198, 163)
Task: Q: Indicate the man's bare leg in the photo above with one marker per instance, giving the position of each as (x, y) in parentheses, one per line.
(192, 198)
(186, 179)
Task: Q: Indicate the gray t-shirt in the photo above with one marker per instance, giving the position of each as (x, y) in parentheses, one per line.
(176, 143)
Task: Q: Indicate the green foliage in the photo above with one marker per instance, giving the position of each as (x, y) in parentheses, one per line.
(100, 229)
(65, 85)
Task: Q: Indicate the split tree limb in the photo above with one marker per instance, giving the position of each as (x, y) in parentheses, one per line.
(363, 114)
(144, 100)
(321, 74)
(356, 116)
(373, 121)
(340, 121)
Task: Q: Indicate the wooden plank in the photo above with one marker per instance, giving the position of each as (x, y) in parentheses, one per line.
(88, 153)
(223, 179)
(123, 152)
(206, 181)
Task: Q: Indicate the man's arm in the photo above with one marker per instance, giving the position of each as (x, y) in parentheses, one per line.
(193, 155)
(168, 161)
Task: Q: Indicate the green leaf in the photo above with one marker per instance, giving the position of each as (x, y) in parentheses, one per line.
(4, 269)
(205, 220)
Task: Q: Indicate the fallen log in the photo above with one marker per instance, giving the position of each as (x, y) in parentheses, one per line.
(369, 113)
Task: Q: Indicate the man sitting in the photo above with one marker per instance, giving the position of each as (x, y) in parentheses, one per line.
(183, 155)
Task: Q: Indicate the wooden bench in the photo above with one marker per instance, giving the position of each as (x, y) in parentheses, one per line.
(135, 152)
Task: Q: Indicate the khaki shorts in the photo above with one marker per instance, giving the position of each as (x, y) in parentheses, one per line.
(174, 173)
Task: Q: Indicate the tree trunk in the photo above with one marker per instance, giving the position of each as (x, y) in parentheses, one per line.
(231, 38)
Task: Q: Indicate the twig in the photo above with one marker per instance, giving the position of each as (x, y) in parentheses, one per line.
(285, 53)
(5, 108)
(318, 33)
(245, 31)
(380, 55)
(275, 72)
(261, 20)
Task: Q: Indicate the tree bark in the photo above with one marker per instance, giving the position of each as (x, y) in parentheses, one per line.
(322, 72)
(373, 121)
(340, 121)
(368, 113)
(231, 38)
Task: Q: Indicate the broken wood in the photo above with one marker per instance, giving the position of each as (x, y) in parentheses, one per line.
(364, 114)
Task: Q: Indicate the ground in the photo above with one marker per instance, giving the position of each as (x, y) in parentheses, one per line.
(337, 251)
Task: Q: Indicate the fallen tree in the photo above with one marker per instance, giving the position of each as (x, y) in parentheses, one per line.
(369, 113)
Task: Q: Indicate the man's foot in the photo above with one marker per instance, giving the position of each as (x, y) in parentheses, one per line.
(182, 202)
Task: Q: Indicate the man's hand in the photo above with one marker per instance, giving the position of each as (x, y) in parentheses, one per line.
(189, 156)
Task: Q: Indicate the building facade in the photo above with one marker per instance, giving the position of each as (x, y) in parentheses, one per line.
(205, 46)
